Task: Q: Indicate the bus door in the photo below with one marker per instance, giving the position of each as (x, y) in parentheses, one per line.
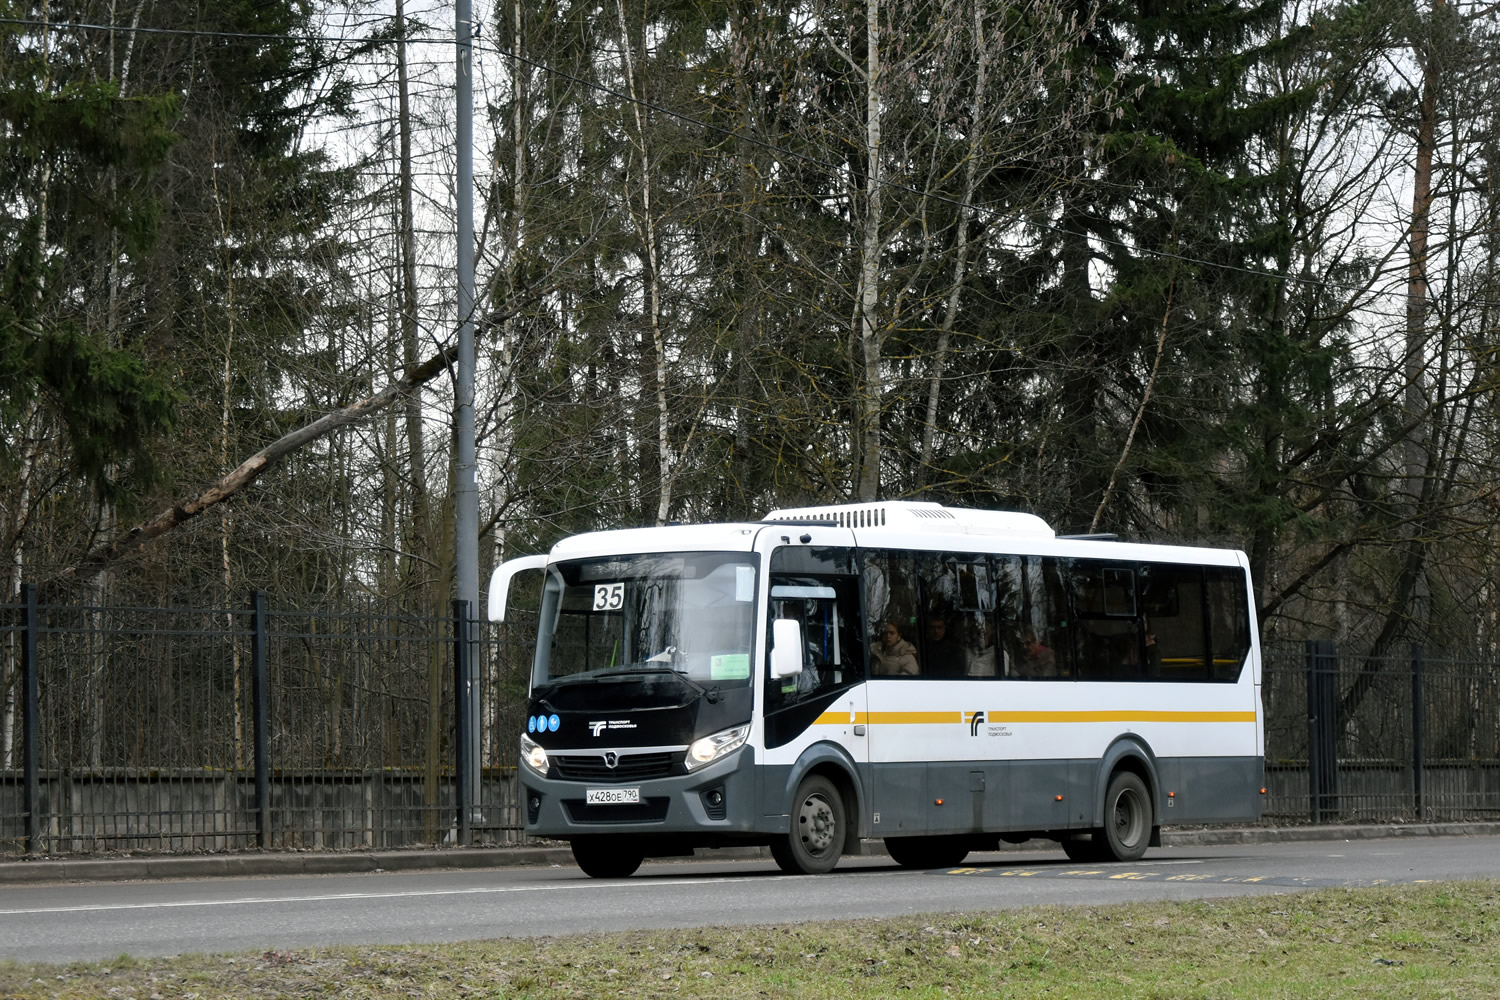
(826, 701)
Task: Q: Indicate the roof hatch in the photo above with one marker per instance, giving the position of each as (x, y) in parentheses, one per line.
(919, 515)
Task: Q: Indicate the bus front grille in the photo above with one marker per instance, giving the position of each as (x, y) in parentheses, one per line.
(629, 767)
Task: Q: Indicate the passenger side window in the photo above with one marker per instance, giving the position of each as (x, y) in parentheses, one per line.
(1173, 619)
(1109, 637)
(1229, 621)
(891, 603)
(942, 579)
(1031, 618)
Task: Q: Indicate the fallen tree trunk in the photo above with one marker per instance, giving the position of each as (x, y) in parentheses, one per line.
(138, 537)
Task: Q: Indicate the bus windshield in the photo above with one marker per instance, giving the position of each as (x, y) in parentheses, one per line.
(686, 614)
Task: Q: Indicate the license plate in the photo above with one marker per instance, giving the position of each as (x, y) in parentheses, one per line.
(612, 796)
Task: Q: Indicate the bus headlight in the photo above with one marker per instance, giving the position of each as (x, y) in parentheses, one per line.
(533, 754)
(711, 748)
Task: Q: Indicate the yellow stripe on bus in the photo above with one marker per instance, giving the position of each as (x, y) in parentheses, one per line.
(1126, 715)
(995, 718)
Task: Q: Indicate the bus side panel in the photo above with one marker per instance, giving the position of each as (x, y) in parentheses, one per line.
(1051, 794)
(901, 800)
(1029, 755)
(1213, 790)
(968, 796)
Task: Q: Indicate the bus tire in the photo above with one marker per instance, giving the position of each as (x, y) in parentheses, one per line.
(605, 860)
(1127, 818)
(815, 841)
(927, 852)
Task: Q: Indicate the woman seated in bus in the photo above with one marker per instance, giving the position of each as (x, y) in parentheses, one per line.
(893, 656)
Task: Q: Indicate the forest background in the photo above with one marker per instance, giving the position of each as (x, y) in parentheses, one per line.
(1203, 271)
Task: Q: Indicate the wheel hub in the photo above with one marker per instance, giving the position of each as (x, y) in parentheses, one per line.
(815, 824)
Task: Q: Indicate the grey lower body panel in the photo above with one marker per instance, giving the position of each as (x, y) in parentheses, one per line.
(1211, 789)
(1051, 796)
(734, 802)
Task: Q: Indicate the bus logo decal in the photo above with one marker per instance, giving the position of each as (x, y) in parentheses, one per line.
(975, 720)
(598, 727)
(611, 760)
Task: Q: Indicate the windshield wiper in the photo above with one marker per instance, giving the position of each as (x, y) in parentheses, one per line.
(647, 671)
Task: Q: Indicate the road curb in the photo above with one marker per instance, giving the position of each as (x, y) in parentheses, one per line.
(251, 864)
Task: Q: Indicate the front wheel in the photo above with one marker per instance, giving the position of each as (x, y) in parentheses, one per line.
(1128, 817)
(816, 839)
(605, 860)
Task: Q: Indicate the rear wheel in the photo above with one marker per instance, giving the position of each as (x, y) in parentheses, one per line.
(601, 859)
(927, 852)
(1127, 818)
(816, 839)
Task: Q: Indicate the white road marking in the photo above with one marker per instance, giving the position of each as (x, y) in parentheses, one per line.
(595, 886)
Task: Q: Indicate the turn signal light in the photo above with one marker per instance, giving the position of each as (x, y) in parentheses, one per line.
(1059, 798)
(937, 802)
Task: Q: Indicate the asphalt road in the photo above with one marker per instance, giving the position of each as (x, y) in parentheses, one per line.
(61, 922)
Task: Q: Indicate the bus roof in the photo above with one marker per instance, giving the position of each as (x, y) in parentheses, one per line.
(893, 523)
(678, 537)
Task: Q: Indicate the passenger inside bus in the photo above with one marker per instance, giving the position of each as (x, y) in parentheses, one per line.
(983, 652)
(942, 655)
(1038, 660)
(1153, 651)
(893, 656)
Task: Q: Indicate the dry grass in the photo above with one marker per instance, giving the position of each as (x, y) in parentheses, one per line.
(1433, 941)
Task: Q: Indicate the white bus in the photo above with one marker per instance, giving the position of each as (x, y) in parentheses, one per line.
(940, 678)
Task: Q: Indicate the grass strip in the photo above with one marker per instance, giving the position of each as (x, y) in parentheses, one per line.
(1425, 941)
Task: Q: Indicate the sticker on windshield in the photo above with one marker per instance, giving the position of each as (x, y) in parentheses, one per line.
(609, 596)
(729, 667)
(744, 584)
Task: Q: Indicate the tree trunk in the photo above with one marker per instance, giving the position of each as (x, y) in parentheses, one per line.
(870, 392)
(419, 514)
(651, 260)
(960, 255)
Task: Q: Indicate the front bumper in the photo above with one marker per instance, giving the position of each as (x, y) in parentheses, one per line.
(719, 801)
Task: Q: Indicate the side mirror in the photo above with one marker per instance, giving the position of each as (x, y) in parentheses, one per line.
(786, 648)
(500, 581)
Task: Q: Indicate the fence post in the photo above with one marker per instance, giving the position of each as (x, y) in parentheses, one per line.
(30, 721)
(1418, 725)
(1322, 727)
(461, 696)
(260, 694)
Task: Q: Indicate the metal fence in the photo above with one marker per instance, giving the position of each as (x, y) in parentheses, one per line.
(191, 729)
(1406, 737)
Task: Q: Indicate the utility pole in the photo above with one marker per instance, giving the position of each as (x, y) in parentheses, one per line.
(466, 520)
